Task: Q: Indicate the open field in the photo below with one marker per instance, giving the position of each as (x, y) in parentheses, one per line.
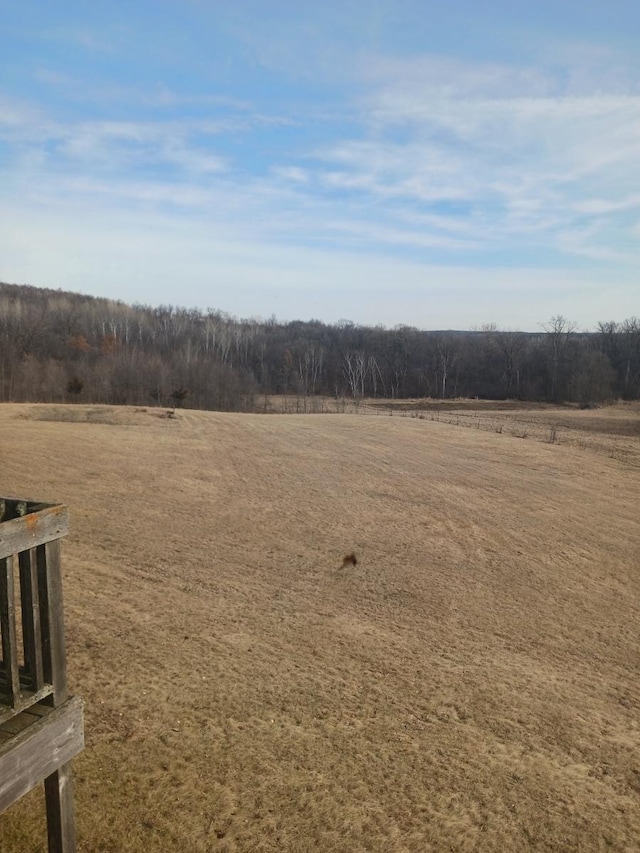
(612, 430)
(473, 684)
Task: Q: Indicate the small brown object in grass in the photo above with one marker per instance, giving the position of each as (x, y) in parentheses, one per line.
(349, 560)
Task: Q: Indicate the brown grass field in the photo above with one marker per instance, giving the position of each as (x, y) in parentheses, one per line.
(471, 685)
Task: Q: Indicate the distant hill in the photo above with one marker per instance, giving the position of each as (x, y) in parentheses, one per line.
(58, 346)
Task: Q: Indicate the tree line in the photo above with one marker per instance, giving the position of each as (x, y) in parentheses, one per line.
(57, 346)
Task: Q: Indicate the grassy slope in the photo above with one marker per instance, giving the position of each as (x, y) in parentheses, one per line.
(471, 685)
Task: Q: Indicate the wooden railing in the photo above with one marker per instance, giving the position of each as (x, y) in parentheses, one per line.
(41, 727)
(32, 665)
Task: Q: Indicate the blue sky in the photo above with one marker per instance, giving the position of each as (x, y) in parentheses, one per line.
(437, 164)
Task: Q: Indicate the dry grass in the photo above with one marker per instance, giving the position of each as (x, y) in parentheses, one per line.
(471, 685)
(612, 431)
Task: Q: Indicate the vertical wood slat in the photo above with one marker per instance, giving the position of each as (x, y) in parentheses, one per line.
(51, 618)
(8, 627)
(32, 634)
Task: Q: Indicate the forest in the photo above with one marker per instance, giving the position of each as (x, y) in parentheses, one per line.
(57, 346)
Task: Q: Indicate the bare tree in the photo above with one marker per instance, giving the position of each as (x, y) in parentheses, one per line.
(447, 355)
(559, 331)
(356, 368)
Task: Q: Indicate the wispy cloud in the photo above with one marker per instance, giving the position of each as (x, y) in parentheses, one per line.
(87, 38)
(288, 140)
(293, 174)
(159, 96)
(515, 153)
(248, 274)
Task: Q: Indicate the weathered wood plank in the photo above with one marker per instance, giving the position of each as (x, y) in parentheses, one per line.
(61, 827)
(39, 751)
(27, 700)
(32, 529)
(52, 618)
(39, 710)
(8, 628)
(31, 618)
(17, 723)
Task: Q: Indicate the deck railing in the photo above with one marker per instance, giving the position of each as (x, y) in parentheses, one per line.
(40, 725)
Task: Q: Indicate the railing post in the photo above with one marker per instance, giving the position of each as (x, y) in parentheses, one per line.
(58, 787)
(51, 617)
(58, 791)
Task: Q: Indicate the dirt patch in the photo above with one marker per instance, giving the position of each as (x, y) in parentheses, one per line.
(110, 415)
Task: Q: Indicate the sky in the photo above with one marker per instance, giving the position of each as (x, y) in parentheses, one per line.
(439, 165)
